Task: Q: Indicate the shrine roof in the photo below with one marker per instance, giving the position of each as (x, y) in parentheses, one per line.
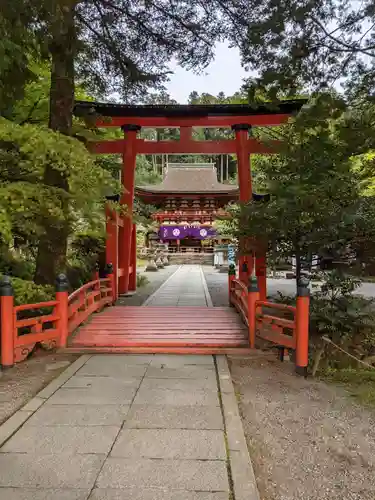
(187, 110)
(190, 178)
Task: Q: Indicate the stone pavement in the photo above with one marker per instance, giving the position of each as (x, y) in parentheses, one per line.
(155, 280)
(186, 287)
(140, 427)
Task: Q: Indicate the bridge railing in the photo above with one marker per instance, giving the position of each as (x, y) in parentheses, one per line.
(48, 323)
(284, 325)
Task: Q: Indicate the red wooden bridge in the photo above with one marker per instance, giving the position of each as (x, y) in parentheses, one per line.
(163, 329)
(178, 318)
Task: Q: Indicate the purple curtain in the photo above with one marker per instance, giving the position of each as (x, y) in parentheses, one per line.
(181, 232)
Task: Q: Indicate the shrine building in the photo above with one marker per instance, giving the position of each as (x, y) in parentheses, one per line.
(189, 199)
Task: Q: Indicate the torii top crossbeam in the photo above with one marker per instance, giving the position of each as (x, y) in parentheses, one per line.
(185, 117)
(189, 115)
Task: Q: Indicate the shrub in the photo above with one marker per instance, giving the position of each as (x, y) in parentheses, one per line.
(345, 318)
(142, 280)
(15, 266)
(27, 292)
(86, 250)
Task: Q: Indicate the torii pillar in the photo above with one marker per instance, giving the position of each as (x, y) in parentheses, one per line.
(127, 233)
(246, 193)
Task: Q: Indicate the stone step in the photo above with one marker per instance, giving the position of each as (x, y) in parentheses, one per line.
(192, 258)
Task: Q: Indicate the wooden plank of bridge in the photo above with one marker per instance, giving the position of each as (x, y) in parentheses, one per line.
(177, 319)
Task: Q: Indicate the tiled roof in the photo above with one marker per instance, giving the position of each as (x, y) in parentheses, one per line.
(190, 178)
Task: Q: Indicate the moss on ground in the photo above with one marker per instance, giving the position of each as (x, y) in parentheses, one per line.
(359, 383)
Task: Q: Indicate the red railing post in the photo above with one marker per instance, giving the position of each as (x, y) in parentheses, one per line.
(110, 274)
(95, 274)
(62, 291)
(302, 327)
(7, 322)
(231, 277)
(252, 298)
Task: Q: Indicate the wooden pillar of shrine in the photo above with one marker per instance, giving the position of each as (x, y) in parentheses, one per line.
(243, 170)
(246, 194)
(133, 260)
(128, 179)
(111, 247)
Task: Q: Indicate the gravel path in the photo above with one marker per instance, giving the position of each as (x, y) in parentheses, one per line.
(20, 383)
(217, 284)
(307, 439)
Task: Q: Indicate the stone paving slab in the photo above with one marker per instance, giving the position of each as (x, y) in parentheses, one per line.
(176, 360)
(174, 417)
(100, 383)
(204, 384)
(117, 370)
(195, 475)
(142, 494)
(176, 398)
(185, 288)
(29, 470)
(69, 440)
(88, 396)
(119, 360)
(36, 494)
(187, 372)
(12, 424)
(77, 415)
(170, 444)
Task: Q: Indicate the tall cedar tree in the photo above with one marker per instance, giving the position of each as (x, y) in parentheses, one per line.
(306, 42)
(112, 46)
(316, 201)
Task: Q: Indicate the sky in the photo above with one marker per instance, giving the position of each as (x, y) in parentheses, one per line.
(223, 74)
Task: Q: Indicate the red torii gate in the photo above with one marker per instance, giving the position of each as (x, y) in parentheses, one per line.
(121, 232)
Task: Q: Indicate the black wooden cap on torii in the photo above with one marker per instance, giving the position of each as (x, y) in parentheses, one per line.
(241, 126)
(187, 110)
(129, 127)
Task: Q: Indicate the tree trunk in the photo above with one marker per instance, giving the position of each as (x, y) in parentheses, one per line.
(51, 258)
(298, 267)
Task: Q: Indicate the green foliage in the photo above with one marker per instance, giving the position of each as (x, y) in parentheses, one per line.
(340, 315)
(85, 252)
(27, 292)
(346, 318)
(17, 44)
(142, 280)
(87, 245)
(315, 202)
(34, 105)
(27, 204)
(145, 174)
(14, 264)
(359, 382)
(306, 43)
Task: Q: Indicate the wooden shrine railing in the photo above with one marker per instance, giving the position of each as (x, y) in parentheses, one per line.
(88, 299)
(284, 325)
(48, 323)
